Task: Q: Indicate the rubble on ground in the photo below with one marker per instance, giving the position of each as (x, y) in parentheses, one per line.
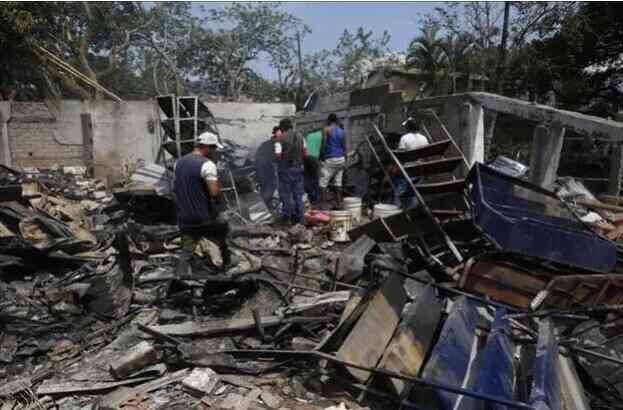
(98, 310)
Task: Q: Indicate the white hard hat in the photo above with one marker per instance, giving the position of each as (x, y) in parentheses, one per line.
(207, 138)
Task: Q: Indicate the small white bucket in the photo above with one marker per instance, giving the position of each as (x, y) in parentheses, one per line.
(341, 222)
(353, 205)
(385, 210)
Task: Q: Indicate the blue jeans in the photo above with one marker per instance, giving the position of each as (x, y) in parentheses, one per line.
(291, 189)
(267, 178)
(403, 187)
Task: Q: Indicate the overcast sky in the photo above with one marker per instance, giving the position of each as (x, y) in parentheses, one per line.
(328, 21)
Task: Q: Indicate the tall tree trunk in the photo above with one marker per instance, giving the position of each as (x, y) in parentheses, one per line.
(499, 75)
(299, 94)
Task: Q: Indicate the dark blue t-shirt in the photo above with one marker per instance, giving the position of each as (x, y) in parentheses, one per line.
(193, 202)
(334, 144)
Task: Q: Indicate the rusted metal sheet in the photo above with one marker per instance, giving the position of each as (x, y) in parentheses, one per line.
(519, 286)
(501, 282)
(367, 341)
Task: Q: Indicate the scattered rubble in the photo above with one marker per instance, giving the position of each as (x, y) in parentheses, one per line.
(99, 311)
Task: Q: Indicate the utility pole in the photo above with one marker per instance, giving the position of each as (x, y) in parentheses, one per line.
(499, 75)
(299, 95)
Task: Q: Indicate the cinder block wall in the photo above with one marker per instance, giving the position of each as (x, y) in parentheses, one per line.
(34, 139)
(34, 144)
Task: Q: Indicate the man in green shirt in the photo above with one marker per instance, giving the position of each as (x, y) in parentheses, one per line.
(313, 141)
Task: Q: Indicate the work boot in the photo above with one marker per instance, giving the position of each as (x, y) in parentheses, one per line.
(339, 198)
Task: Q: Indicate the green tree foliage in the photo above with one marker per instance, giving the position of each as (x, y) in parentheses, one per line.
(428, 54)
(21, 25)
(94, 38)
(165, 46)
(582, 61)
(247, 31)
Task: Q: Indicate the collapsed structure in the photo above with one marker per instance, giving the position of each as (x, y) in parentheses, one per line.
(492, 293)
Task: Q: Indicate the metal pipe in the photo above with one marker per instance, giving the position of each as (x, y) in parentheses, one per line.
(585, 310)
(388, 373)
(595, 354)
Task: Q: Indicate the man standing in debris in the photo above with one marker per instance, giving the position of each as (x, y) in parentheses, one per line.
(413, 139)
(333, 152)
(291, 152)
(265, 168)
(198, 195)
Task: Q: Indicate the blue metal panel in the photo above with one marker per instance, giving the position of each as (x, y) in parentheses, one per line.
(545, 394)
(524, 218)
(497, 374)
(451, 356)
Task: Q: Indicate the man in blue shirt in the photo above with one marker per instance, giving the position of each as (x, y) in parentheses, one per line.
(333, 152)
(197, 196)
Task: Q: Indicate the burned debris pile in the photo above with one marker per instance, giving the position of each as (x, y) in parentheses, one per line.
(490, 293)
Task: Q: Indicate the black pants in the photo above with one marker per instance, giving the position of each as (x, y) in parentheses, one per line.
(312, 173)
(215, 231)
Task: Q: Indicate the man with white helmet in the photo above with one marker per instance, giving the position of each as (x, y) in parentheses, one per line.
(198, 194)
(412, 140)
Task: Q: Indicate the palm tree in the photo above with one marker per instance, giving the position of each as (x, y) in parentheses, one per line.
(427, 53)
(459, 48)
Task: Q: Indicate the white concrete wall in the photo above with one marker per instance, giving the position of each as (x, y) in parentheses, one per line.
(120, 131)
(121, 134)
(249, 124)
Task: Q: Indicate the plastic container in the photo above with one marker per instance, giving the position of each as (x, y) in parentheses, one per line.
(341, 222)
(353, 205)
(313, 217)
(385, 210)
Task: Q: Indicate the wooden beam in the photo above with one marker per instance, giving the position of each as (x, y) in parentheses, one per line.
(580, 123)
(369, 337)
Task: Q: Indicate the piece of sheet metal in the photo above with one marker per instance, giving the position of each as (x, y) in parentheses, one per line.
(523, 218)
(546, 393)
(497, 374)
(452, 357)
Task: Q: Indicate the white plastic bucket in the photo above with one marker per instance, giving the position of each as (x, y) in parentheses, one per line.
(353, 205)
(341, 222)
(385, 210)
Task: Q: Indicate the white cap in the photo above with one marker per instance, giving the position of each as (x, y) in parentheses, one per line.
(207, 138)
